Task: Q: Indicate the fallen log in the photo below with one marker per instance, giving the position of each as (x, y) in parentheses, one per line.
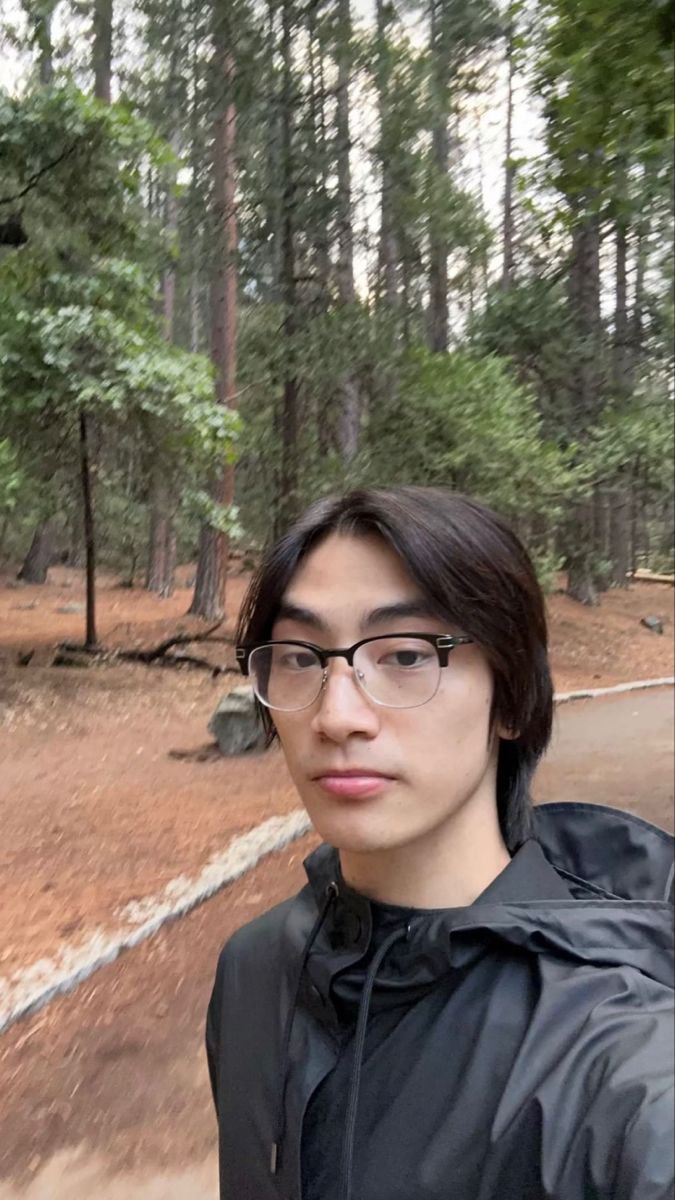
(158, 655)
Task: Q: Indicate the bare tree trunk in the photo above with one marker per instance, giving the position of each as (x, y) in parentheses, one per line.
(287, 505)
(102, 54)
(584, 300)
(160, 574)
(619, 539)
(509, 172)
(209, 595)
(317, 118)
(102, 49)
(350, 400)
(40, 555)
(89, 531)
(345, 270)
(43, 15)
(389, 250)
(440, 161)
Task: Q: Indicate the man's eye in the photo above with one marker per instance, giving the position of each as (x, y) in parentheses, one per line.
(298, 660)
(405, 658)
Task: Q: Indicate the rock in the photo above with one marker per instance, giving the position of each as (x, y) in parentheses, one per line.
(71, 608)
(235, 724)
(653, 623)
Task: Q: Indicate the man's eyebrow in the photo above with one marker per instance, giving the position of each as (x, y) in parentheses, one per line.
(384, 614)
(400, 610)
(289, 611)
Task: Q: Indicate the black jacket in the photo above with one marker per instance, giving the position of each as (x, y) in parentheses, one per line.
(520, 1048)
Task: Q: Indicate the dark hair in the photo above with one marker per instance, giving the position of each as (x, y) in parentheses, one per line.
(473, 570)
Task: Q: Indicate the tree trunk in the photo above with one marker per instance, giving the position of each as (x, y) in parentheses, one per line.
(320, 232)
(586, 382)
(350, 401)
(579, 556)
(208, 600)
(89, 532)
(288, 500)
(102, 49)
(440, 161)
(620, 531)
(619, 537)
(161, 565)
(43, 40)
(345, 271)
(41, 554)
(160, 574)
(509, 172)
(388, 250)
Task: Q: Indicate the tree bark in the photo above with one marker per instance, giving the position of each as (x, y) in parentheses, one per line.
(584, 301)
(288, 500)
(350, 400)
(161, 563)
(345, 271)
(40, 556)
(619, 500)
(208, 600)
(89, 531)
(440, 161)
(388, 272)
(509, 172)
(102, 49)
(43, 40)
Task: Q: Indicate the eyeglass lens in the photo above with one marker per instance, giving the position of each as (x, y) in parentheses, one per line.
(399, 672)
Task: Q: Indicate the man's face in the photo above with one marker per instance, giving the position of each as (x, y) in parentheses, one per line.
(439, 757)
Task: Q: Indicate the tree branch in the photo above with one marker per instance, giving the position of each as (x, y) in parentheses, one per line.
(34, 179)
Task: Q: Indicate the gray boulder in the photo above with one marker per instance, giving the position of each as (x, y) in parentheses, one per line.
(235, 724)
(653, 623)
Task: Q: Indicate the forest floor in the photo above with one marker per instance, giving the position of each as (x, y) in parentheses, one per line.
(95, 809)
(104, 1093)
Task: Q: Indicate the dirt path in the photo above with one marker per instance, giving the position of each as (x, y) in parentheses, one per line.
(617, 751)
(105, 1093)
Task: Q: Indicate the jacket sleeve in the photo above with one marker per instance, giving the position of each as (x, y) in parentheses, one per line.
(632, 1114)
(646, 1170)
(212, 1032)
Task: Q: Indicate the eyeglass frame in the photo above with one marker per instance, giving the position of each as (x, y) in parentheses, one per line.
(443, 643)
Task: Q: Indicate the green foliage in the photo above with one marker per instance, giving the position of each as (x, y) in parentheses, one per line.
(636, 436)
(72, 167)
(465, 422)
(11, 477)
(606, 74)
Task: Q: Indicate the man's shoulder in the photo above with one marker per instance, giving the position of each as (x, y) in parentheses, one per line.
(268, 936)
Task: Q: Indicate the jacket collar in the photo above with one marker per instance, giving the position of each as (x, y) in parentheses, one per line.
(528, 876)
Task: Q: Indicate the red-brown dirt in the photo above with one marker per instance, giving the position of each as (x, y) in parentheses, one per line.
(94, 810)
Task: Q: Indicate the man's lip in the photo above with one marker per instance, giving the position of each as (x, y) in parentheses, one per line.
(356, 772)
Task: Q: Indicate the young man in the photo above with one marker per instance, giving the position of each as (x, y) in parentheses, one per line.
(469, 999)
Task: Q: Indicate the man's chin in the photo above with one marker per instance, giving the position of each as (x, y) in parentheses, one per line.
(356, 829)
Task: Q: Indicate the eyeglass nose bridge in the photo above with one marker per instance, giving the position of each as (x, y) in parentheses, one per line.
(357, 675)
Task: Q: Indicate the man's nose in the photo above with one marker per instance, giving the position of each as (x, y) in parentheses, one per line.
(342, 706)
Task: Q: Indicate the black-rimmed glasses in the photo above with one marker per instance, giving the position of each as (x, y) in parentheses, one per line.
(397, 670)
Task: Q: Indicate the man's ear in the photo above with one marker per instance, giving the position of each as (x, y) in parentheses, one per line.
(506, 734)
